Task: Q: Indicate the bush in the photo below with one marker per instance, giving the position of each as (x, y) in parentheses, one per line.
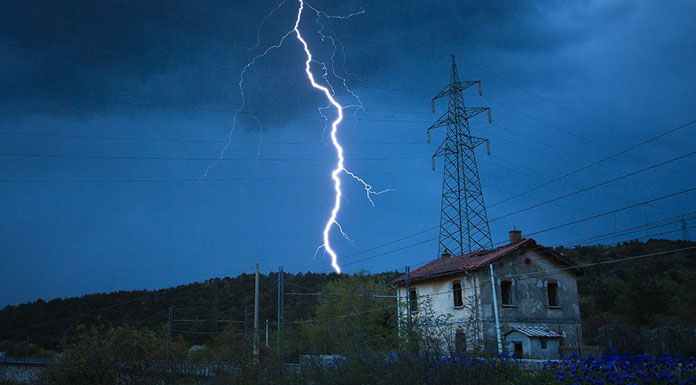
(120, 355)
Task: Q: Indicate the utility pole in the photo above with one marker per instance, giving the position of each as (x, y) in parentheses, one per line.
(256, 310)
(215, 309)
(408, 297)
(685, 231)
(169, 337)
(495, 311)
(169, 326)
(280, 313)
(463, 219)
(246, 327)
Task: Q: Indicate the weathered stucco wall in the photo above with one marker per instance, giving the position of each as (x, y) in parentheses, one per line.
(436, 303)
(529, 273)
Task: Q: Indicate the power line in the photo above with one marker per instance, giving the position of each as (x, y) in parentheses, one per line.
(128, 157)
(81, 92)
(628, 230)
(175, 140)
(536, 175)
(528, 235)
(184, 108)
(375, 248)
(598, 162)
(642, 237)
(595, 186)
(613, 211)
(194, 180)
(343, 315)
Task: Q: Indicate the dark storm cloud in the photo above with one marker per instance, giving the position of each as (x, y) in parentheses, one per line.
(83, 57)
(109, 49)
(502, 24)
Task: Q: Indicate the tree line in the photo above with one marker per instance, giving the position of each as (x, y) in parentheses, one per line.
(649, 295)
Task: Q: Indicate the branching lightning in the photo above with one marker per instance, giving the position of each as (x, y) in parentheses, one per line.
(329, 93)
(334, 140)
(263, 21)
(240, 85)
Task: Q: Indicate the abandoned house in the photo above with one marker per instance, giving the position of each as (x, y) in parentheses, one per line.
(535, 311)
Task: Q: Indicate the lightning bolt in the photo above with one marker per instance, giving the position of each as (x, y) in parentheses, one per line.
(329, 93)
(340, 167)
(334, 140)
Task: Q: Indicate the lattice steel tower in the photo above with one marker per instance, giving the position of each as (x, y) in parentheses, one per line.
(463, 220)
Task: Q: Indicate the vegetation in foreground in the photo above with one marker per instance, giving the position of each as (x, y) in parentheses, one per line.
(126, 356)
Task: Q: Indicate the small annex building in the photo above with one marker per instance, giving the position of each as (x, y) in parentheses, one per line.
(529, 288)
(532, 341)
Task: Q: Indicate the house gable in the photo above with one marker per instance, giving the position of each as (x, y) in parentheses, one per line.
(444, 267)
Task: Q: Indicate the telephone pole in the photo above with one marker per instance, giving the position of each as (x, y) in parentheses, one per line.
(170, 321)
(408, 297)
(267, 345)
(463, 219)
(256, 310)
(280, 312)
(685, 231)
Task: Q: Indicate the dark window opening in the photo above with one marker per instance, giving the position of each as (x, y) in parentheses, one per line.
(543, 344)
(457, 291)
(518, 349)
(552, 291)
(413, 300)
(506, 292)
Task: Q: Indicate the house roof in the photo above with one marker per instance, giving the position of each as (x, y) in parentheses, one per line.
(475, 260)
(534, 331)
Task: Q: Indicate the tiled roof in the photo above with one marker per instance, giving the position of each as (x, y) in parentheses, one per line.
(534, 331)
(471, 261)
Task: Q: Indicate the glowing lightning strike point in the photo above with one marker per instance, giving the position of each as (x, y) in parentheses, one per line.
(339, 150)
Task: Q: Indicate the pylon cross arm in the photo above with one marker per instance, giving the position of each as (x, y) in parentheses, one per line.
(455, 87)
(442, 121)
(476, 141)
(470, 112)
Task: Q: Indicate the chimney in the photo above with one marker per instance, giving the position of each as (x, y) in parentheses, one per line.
(515, 236)
(445, 254)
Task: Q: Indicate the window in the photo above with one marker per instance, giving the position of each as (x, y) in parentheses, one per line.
(552, 292)
(518, 349)
(543, 343)
(506, 292)
(457, 291)
(413, 300)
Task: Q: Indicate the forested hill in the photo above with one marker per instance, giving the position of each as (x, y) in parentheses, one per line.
(218, 301)
(649, 291)
(646, 291)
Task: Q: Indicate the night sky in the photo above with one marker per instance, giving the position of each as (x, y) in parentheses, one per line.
(141, 97)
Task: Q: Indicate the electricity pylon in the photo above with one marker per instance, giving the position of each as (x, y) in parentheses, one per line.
(463, 219)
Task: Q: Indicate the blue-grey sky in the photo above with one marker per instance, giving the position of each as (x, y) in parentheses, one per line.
(127, 86)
